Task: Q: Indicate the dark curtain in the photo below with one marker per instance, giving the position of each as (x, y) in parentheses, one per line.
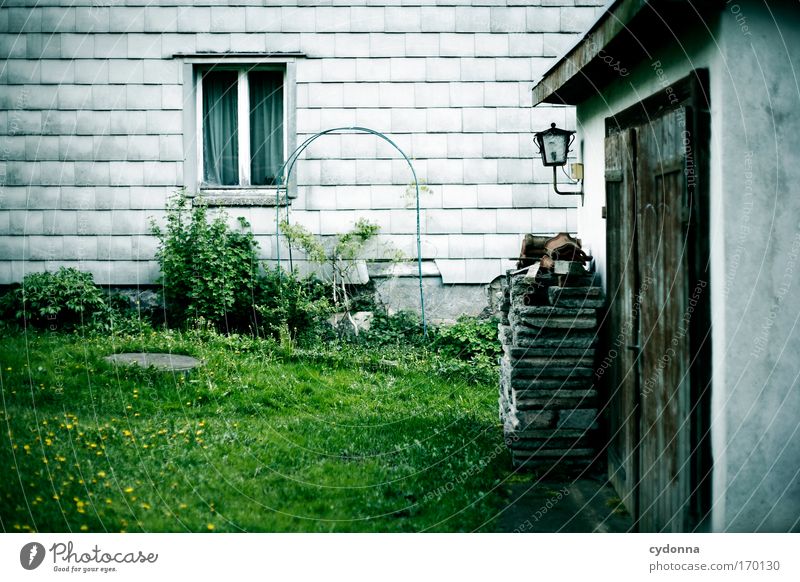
(220, 129)
(266, 126)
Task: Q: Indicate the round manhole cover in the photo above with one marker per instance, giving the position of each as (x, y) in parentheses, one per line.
(165, 362)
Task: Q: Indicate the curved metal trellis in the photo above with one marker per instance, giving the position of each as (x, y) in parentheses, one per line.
(288, 166)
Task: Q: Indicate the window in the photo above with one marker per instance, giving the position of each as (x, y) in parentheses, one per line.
(241, 131)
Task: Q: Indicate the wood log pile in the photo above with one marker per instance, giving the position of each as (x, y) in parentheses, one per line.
(548, 403)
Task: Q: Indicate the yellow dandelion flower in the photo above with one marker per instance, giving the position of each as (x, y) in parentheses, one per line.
(108, 501)
(210, 527)
(128, 490)
(101, 474)
(27, 448)
(182, 506)
(84, 527)
(69, 427)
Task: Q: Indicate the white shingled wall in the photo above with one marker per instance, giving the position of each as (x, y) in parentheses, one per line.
(91, 116)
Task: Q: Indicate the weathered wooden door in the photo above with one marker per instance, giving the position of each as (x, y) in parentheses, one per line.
(655, 419)
(622, 285)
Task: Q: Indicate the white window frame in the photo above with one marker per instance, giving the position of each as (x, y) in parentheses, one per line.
(243, 193)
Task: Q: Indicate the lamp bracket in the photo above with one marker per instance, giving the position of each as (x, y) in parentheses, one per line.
(567, 192)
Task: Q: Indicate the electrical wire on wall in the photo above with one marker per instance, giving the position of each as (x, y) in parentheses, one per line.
(282, 182)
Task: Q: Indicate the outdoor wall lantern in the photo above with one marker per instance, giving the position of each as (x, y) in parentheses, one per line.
(554, 146)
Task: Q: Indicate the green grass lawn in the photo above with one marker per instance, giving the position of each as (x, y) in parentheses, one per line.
(257, 440)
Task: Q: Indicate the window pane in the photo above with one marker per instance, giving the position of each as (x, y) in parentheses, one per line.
(220, 128)
(266, 126)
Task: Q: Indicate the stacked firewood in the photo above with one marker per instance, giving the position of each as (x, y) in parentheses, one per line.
(548, 403)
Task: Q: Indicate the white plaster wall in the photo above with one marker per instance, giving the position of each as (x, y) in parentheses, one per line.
(755, 240)
(92, 123)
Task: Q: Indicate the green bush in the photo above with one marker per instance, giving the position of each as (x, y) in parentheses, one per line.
(470, 339)
(208, 270)
(289, 305)
(401, 328)
(62, 300)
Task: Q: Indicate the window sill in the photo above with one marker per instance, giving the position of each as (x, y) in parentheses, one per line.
(242, 196)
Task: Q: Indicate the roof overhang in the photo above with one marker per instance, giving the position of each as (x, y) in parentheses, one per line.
(626, 34)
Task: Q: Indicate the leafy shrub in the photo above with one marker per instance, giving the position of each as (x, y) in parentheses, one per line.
(208, 270)
(401, 328)
(63, 300)
(470, 339)
(290, 305)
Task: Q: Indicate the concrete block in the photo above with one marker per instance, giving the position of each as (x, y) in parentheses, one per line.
(126, 173)
(114, 46)
(337, 172)
(24, 222)
(396, 94)
(548, 220)
(443, 221)
(482, 271)
(403, 69)
(491, 45)
(125, 122)
(56, 72)
(24, 20)
(438, 19)
(421, 45)
(56, 173)
(77, 46)
(479, 120)
(466, 94)
(162, 72)
(358, 145)
(247, 43)
(39, 147)
(295, 19)
(112, 198)
(480, 171)
(515, 171)
(377, 119)
(309, 71)
(513, 120)
(91, 72)
(76, 147)
(213, 43)
(171, 97)
(162, 122)
(429, 146)
(262, 19)
(55, 122)
(461, 246)
(58, 19)
(434, 247)
(404, 221)
(74, 97)
(373, 172)
(361, 95)
(479, 220)
(459, 195)
(445, 171)
(325, 95)
(40, 46)
(228, 19)
(472, 19)
(514, 69)
(316, 45)
(408, 120)
(109, 147)
(332, 19)
(456, 45)
(502, 246)
(108, 97)
(44, 248)
(474, 69)
(336, 222)
(367, 19)
(498, 145)
(530, 195)
(443, 120)
(494, 196)
(145, 147)
(126, 19)
(14, 46)
(542, 19)
(339, 70)
(525, 45)
(508, 19)
(352, 197)
(77, 198)
(351, 45)
(464, 145)
(402, 19)
(577, 19)
(23, 72)
(443, 69)
(129, 222)
(143, 97)
(502, 95)
(387, 45)
(337, 117)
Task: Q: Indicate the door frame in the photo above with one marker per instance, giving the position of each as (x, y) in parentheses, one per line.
(692, 93)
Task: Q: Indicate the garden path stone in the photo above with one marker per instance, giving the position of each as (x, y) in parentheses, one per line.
(164, 362)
